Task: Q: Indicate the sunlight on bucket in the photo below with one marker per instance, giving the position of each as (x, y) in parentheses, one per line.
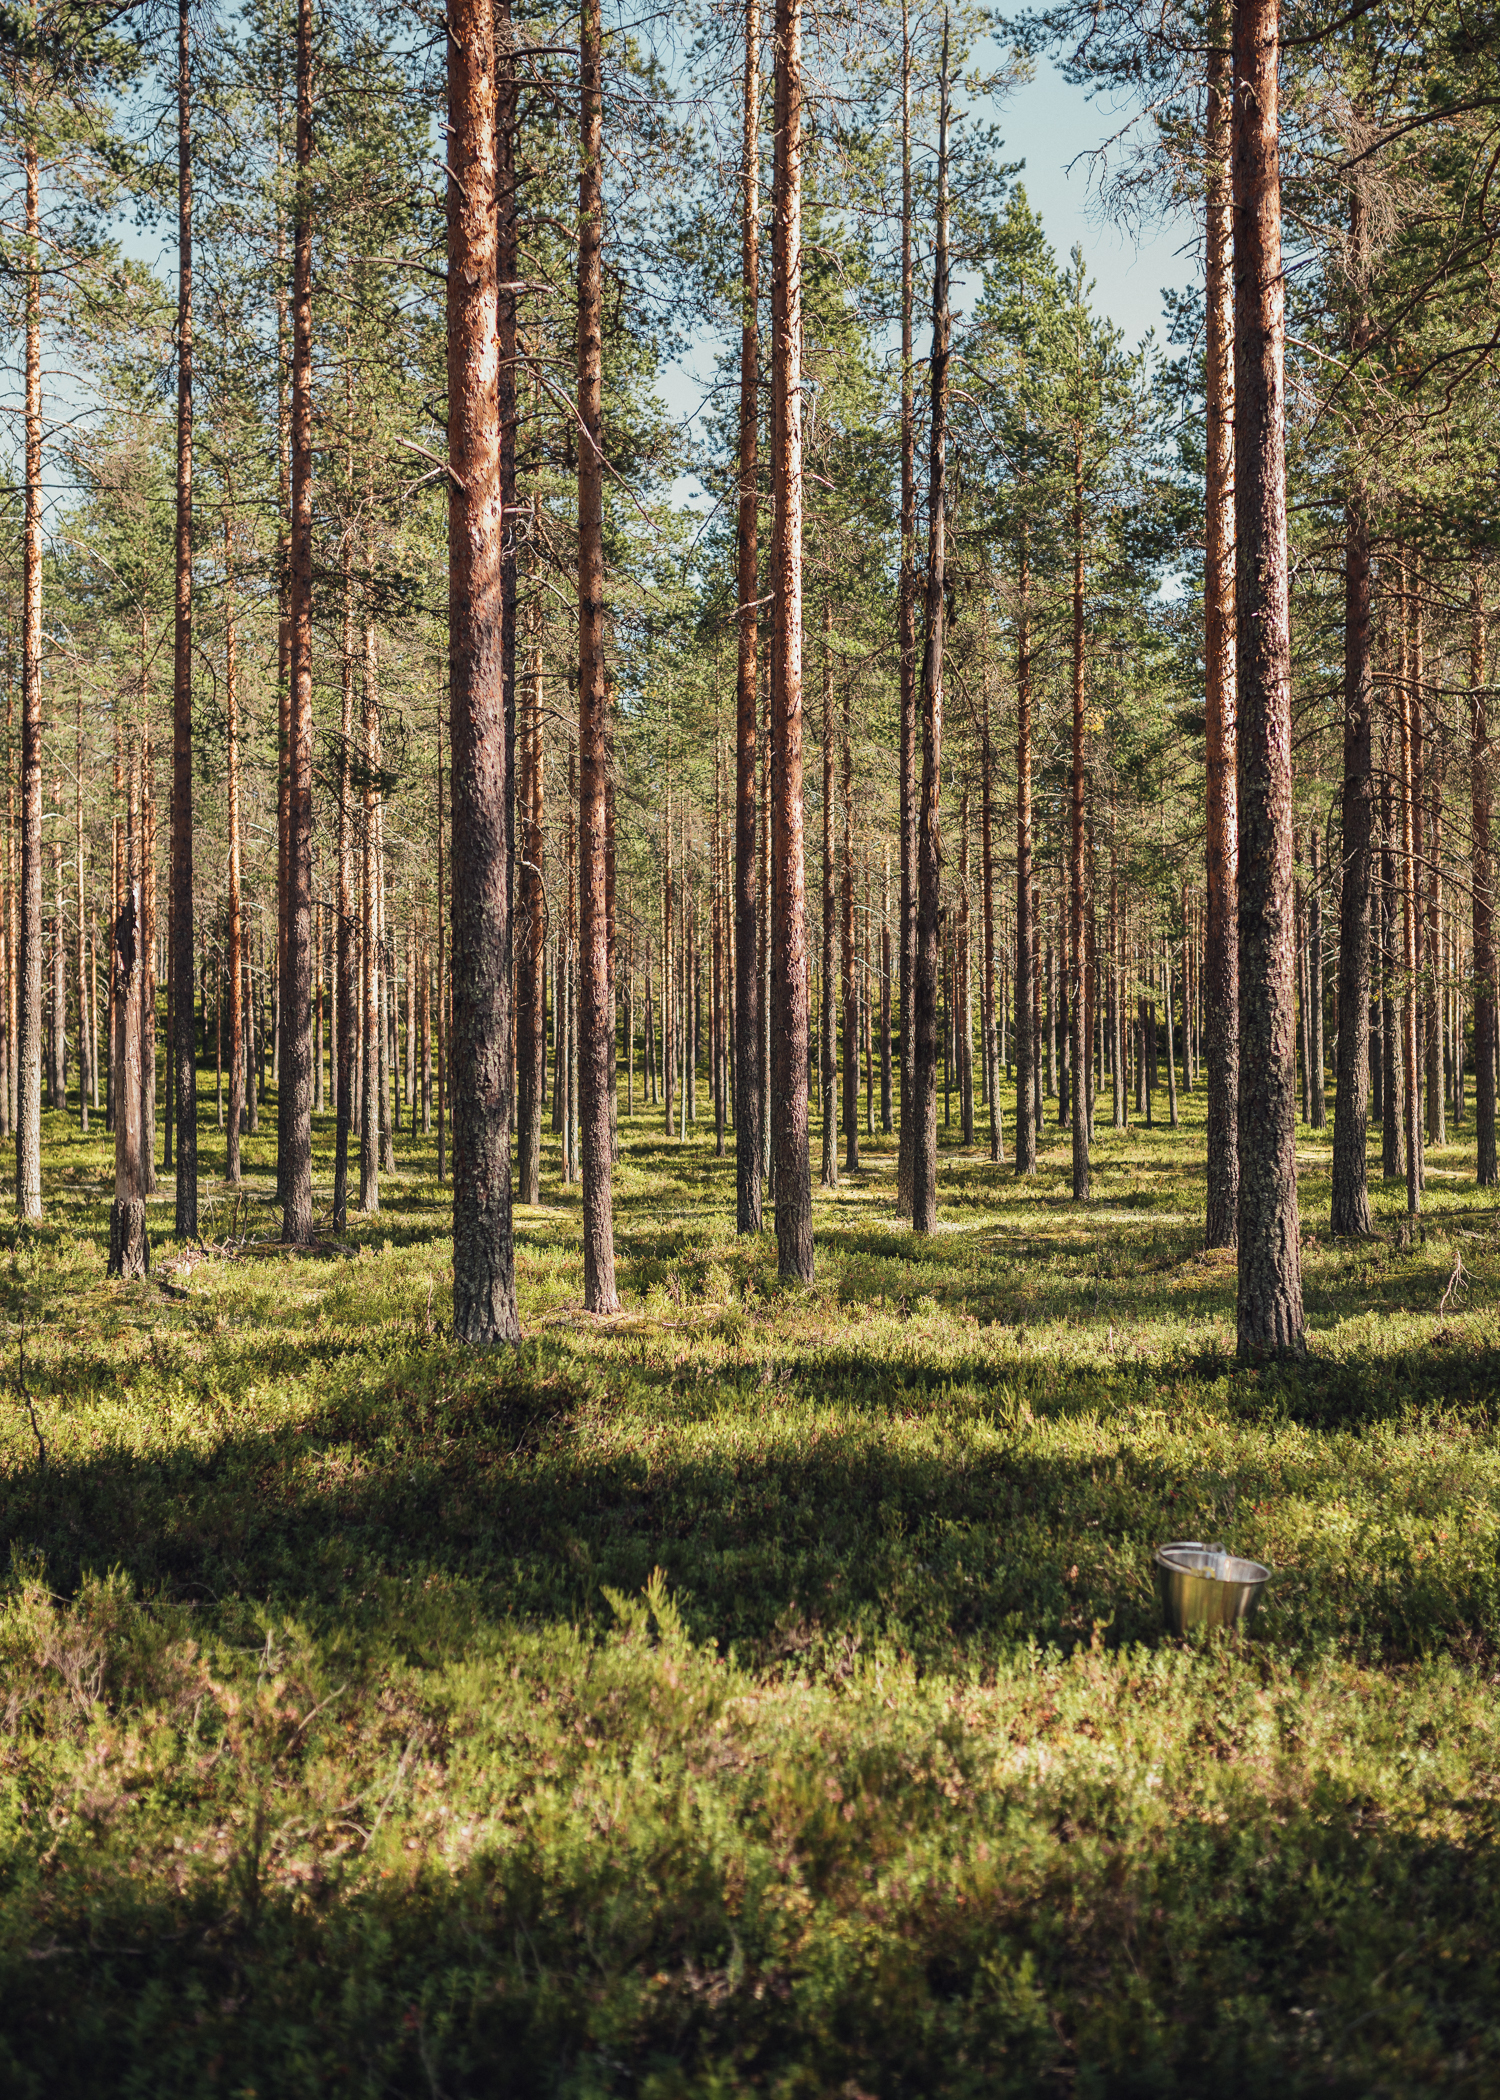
(1204, 1585)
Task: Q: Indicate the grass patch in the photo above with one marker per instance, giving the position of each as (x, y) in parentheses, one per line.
(761, 1692)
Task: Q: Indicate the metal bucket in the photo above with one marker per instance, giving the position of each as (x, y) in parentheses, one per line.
(1203, 1585)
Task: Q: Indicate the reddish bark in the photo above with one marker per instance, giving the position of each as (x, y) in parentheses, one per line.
(748, 1076)
(851, 988)
(295, 1069)
(479, 1046)
(1077, 1002)
(1480, 788)
(929, 841)
(596, 1032)
(184, 1076)
(906, 643)
(794, 1241)
(1221, 945)
(236, 935)
(1350, 1209)
(1028, 1108)
(29, 970)
(827, 1033)
(1269, 1313)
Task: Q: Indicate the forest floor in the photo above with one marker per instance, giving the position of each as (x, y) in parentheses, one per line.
(759, 1692)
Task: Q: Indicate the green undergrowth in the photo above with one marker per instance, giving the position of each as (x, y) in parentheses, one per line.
(761, 1692)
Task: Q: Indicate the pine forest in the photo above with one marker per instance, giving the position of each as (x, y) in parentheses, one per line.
(748, 1011)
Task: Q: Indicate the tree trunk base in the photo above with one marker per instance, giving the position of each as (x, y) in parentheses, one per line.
(129, 1248)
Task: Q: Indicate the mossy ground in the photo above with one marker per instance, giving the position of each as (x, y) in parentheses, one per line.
(761, 1692)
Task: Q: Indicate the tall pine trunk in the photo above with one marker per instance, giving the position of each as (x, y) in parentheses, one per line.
(1269, 1312)
(29, 972)
(478, 1050)
(596, 1030)
(294, 1074)
(906, 642)
(1480, 791)
(86, 1045)
(236, 935)
(1077, 1006)
(886, 1104)
(851, 988)
(1392, 1070)
(1026, 972)
(507, 409)
(369, 1110)
(531, 1020)
(963, 967)
(929, 842)
(1410, 1060)
(987, 893)
(344, 948)
(1318, 1117)
(183, 1079)
(748, 1075)
(1220, 946)
(827, 1034)
(1350, 1208)
(788, 936)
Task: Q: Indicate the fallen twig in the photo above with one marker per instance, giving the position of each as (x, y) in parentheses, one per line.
(1460, 1280)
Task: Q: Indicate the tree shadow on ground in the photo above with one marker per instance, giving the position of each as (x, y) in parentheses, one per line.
(658, 1958)
(950, 1511)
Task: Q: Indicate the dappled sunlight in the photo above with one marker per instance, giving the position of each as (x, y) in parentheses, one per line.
(755, 1651)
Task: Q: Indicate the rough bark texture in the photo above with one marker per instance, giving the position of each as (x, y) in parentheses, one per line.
(369, 1065)
(1429, 851)
(295, 1070)
(1318, 1111)
(57, 1078)
(29, 960)
(184, 1079)
(906, 639)
(1350, 1209)
(344, 947)
(512, 516)
(1026, 1043)
(851, 987)
(1410, 1063)
(1221, 944)
(484, 1289)
(794, 1240)
(1269, 1312)
(596, 1006)
(148, 951)
(747, 1015)
(987, 882)
(236, 934)
(1077, 1002)
(531, 1019)
(1483, 875)
(886, 1104)
(86, 1043)
(929, 837)
(963, 975)
(384, 1048)
(827, 1033)
(1390, 1059)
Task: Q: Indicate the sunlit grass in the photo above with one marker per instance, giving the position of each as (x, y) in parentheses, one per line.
(760, 1691)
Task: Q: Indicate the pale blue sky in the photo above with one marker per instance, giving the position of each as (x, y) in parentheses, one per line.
(1052, 127)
